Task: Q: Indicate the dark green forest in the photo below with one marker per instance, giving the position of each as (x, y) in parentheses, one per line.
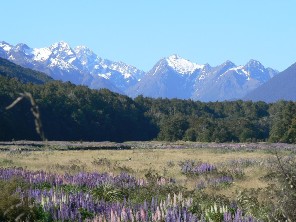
(25, 75)
(70, 112)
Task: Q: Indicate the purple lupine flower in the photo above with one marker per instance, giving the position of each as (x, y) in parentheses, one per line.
(191, 167)
(69, 205)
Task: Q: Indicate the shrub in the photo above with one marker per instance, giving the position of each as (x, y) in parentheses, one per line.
(15, 205)
(283, 173)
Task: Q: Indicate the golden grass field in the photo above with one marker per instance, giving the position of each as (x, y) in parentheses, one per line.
(137, 162)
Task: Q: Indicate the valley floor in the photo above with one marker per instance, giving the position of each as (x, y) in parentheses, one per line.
(215, 169)
(138, 158)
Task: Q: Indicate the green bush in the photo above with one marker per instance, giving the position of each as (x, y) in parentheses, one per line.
(13, 207)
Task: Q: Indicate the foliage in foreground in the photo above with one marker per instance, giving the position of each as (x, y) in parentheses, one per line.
(106, 197)
(283, 187)
(81, 196)
(14, 206)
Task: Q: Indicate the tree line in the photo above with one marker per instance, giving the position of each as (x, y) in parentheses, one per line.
(70, 112)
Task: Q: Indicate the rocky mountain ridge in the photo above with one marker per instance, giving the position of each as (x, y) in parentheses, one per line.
(171, 77)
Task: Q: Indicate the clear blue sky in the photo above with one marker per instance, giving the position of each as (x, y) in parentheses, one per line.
(140, 32)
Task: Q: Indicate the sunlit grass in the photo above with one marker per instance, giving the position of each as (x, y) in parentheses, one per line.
(137, 162)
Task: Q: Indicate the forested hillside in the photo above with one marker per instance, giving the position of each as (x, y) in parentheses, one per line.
(24, 75)
(71, 112)
(236, 121)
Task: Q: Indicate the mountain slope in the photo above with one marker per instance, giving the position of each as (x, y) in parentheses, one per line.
(79, 65)
(228, 81)
(25, 75)
(175, 77)
(171, 77)
(120, 74)
(281, 87)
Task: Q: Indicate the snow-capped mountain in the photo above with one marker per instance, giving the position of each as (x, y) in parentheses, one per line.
(228, 81)
(79, 65)
(182, 66)
(176, 77)
(171, 77)
(120, 74)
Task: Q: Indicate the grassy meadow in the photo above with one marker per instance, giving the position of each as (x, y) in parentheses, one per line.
(138, 162)
(227, 173)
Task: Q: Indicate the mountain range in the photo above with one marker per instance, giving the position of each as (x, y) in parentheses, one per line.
(176, 77)
(78, 65)
(171, 77)
(281, 87)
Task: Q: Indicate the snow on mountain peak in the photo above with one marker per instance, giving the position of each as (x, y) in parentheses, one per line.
(63, 65)
(127, 71)
(41, 54)
(61, 45)
(83, 49)
(254, 63)
(236, 68)
(62, 48)
(174, 76)
(87, 57)
(253, 70)
(6, 47)
(241, 70)
(24, 48)
(181, 65)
